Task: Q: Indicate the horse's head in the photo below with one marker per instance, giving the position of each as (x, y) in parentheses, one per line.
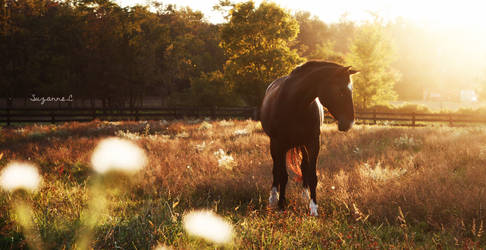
(337, 97)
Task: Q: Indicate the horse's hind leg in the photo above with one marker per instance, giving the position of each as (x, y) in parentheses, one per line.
(311, 176)
(279, 174)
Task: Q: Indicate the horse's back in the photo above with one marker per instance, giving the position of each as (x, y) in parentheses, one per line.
(270, 101)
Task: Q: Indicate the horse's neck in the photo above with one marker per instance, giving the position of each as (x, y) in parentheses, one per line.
(301, 94)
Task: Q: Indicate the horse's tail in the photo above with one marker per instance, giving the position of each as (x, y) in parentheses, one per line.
(294, 159)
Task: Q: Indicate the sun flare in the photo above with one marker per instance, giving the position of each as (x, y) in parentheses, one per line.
(208, 225)
(20, 175)
(114, 154)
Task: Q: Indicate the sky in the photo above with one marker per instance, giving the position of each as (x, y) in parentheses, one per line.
(455, 13)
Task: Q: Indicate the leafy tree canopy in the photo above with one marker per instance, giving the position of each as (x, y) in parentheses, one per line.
(371, 53)
(256, 42)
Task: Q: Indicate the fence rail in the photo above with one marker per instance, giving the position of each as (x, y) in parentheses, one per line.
(53, 115)
(418, 119)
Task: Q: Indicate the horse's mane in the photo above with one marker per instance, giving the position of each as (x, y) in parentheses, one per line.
(311, 65)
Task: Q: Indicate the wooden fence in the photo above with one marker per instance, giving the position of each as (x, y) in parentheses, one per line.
(418, 119)
(53, 115)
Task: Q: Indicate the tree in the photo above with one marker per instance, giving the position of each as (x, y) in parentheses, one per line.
(192, 49)
(312, 33)
(210, 89)
(256, 42)
(371, 53)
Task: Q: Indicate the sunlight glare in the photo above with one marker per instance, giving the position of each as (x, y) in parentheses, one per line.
(20, 175)
(115, 154)
(208, 225)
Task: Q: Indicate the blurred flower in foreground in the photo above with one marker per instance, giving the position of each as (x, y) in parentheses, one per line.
(20, 175)
(161, 247)
(23, 176)
(209, 226)
(115, 154)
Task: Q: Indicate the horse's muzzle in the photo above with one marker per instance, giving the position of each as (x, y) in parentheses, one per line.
(345, 126)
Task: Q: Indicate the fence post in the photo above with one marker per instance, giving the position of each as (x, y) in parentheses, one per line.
(255, 113)
(374, 116)
(94, 113)
(413, 119)
(8, 115)
(213, 112)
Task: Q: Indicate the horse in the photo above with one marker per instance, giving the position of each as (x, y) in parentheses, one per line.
(291, 114)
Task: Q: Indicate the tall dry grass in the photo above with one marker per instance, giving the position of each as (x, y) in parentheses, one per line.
(419, 182)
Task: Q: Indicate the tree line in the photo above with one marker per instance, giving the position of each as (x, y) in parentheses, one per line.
(95, 49)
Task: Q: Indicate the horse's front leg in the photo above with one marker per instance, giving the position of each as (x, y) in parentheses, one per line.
(279, 173)
(310, 174)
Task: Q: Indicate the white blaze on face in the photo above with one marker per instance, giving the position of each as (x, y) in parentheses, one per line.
(321, 110)
(350, 84)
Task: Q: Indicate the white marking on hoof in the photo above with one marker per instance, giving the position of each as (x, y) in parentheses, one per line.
(273, 200)
(305, 194)
(313, 208)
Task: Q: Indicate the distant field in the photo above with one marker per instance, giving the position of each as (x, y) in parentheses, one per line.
(443, 106)
(379, 187)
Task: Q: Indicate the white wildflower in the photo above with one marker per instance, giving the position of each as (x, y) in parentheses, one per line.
(20, 130)
(241, 132)
(406, 141)
(200, 147)
(224, 160)
(115, 154)
(207, 225)
(226, 123)
(128, 135)
(183, 134)
(379, 173)
(20, 175)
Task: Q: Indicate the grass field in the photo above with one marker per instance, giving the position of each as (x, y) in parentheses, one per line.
(379, 187)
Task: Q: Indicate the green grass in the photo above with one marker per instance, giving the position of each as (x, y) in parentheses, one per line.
(434, 175)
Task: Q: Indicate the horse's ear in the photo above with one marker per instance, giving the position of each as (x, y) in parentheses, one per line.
(350, 71)
(346, 70)
(342, 70)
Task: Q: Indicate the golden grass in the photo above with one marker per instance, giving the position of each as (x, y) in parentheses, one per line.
(420, 182)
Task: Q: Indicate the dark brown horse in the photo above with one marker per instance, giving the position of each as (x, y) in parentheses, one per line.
(291, 115)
